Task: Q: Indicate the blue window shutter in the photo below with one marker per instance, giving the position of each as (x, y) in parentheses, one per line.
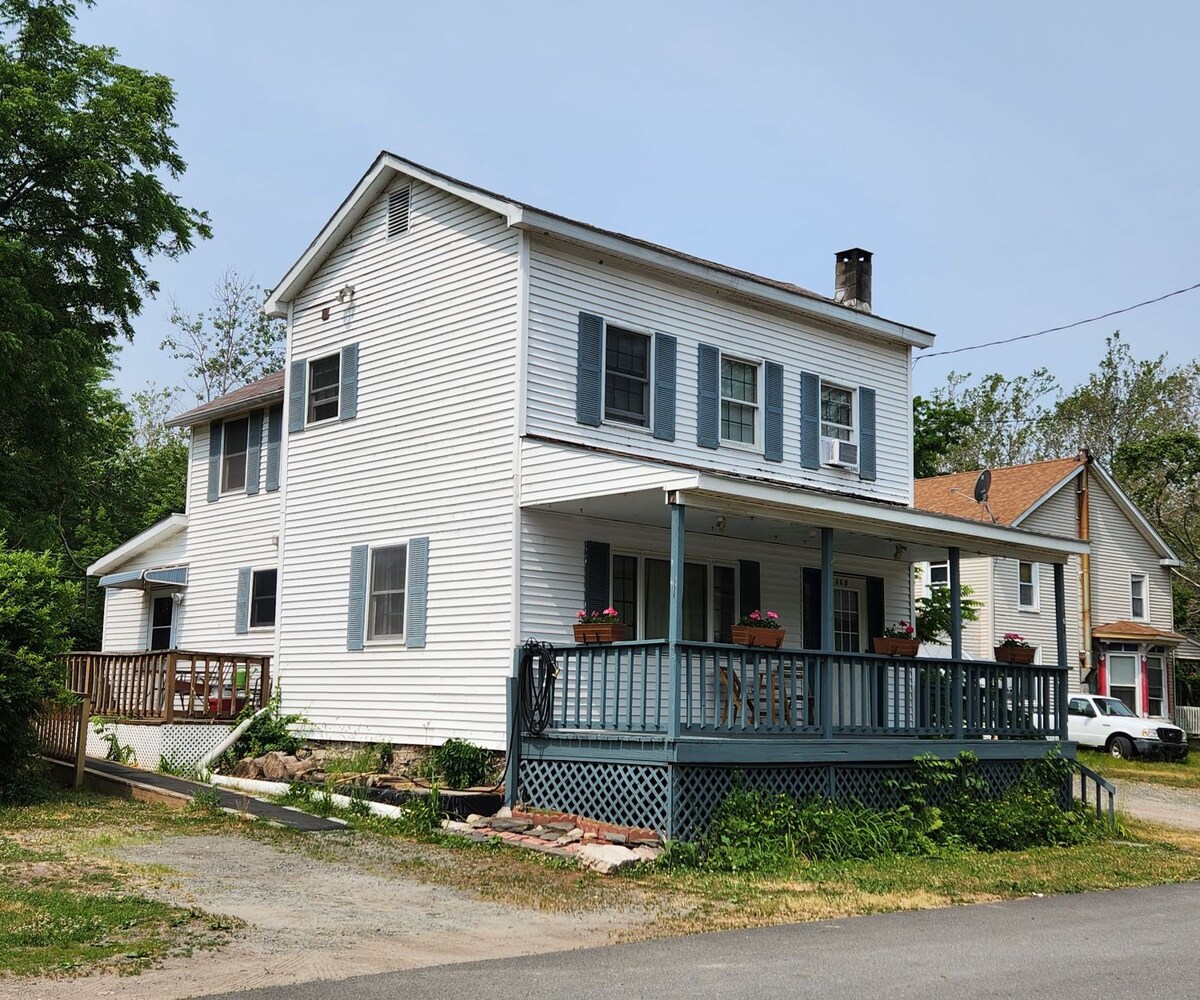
(664, 386)
(215, 437)
(241, 622)
(274, 435)
(773, 415)
(348, 400)
(749, 586)
(589, 376)
(254, 428)
(810, 420)
(297, 377)
(356, 617)
(866, 433)
(708, 396)
(416, 600)
(597, 566)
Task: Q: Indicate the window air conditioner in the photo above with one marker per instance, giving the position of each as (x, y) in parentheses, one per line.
(841, 454)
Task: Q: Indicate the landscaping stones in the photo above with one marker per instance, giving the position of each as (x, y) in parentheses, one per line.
(602, 847)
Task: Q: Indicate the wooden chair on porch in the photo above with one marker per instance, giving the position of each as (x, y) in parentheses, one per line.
(739, 702)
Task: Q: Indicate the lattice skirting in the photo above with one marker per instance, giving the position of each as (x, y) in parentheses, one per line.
(678, 800)
(179, 746)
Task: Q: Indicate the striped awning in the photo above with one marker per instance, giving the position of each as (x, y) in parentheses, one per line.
(144, 579)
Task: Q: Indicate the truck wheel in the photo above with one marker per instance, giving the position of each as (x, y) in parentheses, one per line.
(1121, 746)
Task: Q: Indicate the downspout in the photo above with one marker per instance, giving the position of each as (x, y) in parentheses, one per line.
(1085, 565)
(203, 767)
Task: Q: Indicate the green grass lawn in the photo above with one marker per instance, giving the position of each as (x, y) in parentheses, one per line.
(1177, 774)
(66, 908)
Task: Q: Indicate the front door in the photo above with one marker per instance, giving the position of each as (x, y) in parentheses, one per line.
(849, 614)
(162, 621)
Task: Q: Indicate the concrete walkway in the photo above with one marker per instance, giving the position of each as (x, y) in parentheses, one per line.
(110, 776)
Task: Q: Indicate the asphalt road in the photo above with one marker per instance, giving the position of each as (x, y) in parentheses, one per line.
(1126, 943)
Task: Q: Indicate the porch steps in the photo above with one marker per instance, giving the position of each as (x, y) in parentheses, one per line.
(131, 782)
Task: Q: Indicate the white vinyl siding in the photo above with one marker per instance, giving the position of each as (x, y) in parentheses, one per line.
(430, 453)
(564, 282)
(126, 612)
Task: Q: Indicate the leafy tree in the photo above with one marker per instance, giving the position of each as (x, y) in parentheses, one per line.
(36, 609)
(1007, 418)
(1126, 400)
(940, 429)
(232, 344)
(933, 613)
(86, 154)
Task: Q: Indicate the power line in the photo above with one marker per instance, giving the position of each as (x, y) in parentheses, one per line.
(1058, 329)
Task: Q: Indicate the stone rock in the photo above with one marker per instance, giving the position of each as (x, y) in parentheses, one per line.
(274, 767)
(454, 826)
(246, 768)
(615, 838)
(606, 858)
(504, 813)
(646, 853)
(561, 826)
(571, 837)
(303, 753)
(296, 767)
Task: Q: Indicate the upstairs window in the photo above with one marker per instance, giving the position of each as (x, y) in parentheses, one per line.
(262, 598)
(626, 377)
(939, 575)
(837, 412)
(388, 578)
(234, 446)
(739, 401)
(1027, 586)
(1137, 597)
(324, 381)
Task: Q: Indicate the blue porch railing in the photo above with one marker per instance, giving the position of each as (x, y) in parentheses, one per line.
(735, 690)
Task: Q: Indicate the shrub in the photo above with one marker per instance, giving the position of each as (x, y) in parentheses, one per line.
(37, 607)
(462, 764)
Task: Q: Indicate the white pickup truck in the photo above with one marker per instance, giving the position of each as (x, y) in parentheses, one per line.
(1108, 724)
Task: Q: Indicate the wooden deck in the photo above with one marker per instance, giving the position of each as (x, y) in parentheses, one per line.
(170, 685)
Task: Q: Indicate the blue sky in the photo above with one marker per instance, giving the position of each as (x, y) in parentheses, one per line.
(1012, 167)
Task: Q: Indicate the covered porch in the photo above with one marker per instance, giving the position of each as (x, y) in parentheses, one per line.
(648, 732)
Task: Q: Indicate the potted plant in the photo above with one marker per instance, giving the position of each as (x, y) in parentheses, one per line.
(1014, 649)
(599, 626)
(759, 628)
(898, 640)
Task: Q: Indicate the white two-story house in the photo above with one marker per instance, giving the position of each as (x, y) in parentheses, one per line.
(492, 417)
(1120, 613)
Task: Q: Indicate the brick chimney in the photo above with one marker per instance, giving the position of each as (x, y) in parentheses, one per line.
(853, 279)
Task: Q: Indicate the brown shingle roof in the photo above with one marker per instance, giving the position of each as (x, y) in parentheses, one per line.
(268, 389)
(1015, 489)
(1135, 630)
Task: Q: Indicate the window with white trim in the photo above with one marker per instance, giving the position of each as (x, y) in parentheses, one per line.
(837, 412)
(262, 598)
(1138, 601)
(939, 575)
(324, 388)
(385, 611)
(626, 376)
(740, 408)
(641, 588)
(1027, 586)
(235, 439)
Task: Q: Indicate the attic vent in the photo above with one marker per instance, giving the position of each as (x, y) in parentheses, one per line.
(398, 211)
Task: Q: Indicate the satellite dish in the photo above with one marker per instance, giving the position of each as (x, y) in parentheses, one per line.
(982, 485)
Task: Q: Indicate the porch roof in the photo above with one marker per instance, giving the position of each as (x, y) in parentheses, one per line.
(143, 579)
(768, 512)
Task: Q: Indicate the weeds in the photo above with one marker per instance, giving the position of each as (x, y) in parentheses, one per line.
(461, 764)
(206, 800)
(119, 752)
(271, 730)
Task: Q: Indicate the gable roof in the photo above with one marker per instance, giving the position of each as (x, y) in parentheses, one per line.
(521, 215)
(1015, 491)
(1135, 630)
(1018, 490)
(168, 527)
(268, 389)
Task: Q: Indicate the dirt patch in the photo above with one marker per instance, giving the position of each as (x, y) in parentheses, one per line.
(308, 919)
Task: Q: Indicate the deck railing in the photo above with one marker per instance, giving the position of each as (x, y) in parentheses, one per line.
(737, 690)
(62, 733)
(170, 685)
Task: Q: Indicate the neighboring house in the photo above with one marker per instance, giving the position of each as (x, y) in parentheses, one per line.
(1121, 633)
(492, 417)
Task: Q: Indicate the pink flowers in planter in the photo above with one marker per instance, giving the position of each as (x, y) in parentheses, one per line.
(760, 619)
(901, 630)
(605, 617)
(1013, 639)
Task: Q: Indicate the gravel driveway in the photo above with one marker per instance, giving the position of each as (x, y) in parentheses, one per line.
(308, 919)
(1178, 807)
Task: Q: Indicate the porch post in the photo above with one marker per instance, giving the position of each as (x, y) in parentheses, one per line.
(1060, 630)
(956, 650)
(675, 625)
(827, 639)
